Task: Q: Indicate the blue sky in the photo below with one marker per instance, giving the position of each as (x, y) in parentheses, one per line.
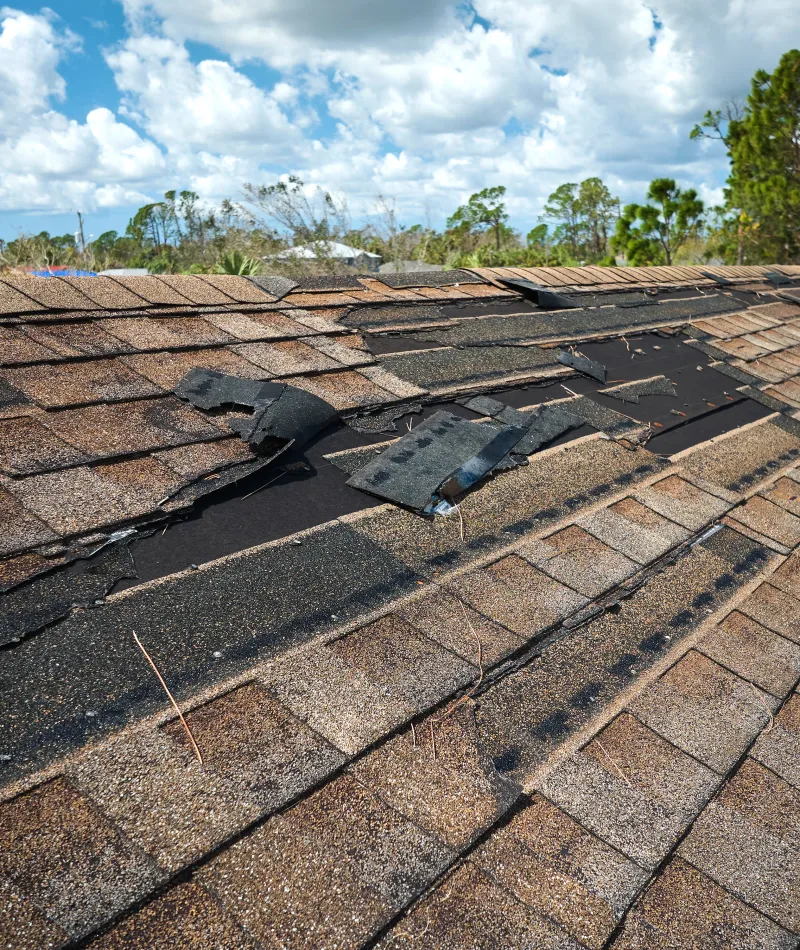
(107, 104)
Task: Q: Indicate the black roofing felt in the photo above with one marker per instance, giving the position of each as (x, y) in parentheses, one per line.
(86, 677)
(632, 392)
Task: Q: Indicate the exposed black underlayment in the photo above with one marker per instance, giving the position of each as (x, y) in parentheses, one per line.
(31, 607)
(85, 677)
(716, 422)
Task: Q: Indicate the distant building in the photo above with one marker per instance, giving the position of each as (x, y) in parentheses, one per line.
(333, 250)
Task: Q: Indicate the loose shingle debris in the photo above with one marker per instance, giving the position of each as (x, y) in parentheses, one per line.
(383, 421)
(441, 457)
(282, 415)
(630, 392)
(41, 602)
(722, 281)
(444, 456)
(583, 365)
(778, 279)
(546, 299)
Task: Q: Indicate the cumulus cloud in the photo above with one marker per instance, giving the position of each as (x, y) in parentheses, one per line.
(424, 101)
(49, 161)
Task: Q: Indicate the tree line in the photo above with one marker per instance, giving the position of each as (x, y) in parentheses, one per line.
(581, 222)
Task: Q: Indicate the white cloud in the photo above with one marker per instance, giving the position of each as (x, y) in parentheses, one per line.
(414, 100)
(49, 161)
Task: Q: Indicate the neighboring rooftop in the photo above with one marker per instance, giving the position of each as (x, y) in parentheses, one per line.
(564, 715)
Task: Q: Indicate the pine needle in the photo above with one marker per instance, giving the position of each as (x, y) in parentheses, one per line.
(171, 699)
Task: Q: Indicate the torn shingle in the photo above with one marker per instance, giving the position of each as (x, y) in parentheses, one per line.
(583, 365)
(631, 392)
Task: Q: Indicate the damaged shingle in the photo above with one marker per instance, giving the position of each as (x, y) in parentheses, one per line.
(546, 299)
(384, 421)
(443, 447)
(630, 392)
(583, 365)
(282, 415)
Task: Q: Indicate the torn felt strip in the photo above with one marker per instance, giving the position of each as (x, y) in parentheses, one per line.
(583, 365)
(410, 471)
(631, 392)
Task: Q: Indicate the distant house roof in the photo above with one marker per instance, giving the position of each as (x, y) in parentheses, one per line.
(330, 249)
(563, 714)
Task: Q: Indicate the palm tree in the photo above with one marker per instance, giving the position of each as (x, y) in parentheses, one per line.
(234, 262)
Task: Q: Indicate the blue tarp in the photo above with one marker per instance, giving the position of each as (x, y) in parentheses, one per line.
(63, 272)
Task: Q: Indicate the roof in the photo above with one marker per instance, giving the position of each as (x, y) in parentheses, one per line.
(564, 715)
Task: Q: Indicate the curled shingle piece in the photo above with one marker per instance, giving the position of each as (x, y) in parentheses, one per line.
(653, 386)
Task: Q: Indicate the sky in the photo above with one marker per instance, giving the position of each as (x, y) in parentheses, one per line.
(106, 104)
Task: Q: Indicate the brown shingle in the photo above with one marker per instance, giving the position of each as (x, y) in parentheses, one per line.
(58, 849)
(192, 461)
(124, 428)
(552, 864)
(440, 778)
(196, 289)
(775, 609)
(249, 739)
(786, 493)
(336, 349)
(684, 908)
(185, 918)
(634, 530)
(343, 390)
(26, 446)
(52, 292)
(16, 348)
(632, 788)
(82, 499)
(327, 873)
(458, 627)
(300, 299)
(168, 369)
(754, 653)
(145, 333)
(285, 359)
(579, 560)
(153, 290)
(159, 795)
(14, 301)
(743, 456)
(77, 338)
(392, 653)
(73, 384)
(779, 748)
(258, 326)
(107, 293)
(239, 289)
(747, 840)
(517, 595)
(681, 501)
(787, 577)
(705, 710)
(21, 529)
(769, 520)
(470, 910)
(23, 926)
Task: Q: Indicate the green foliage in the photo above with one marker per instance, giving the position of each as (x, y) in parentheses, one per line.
(234, 262)
(654, 233)
(584, 214)
(485, 210)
